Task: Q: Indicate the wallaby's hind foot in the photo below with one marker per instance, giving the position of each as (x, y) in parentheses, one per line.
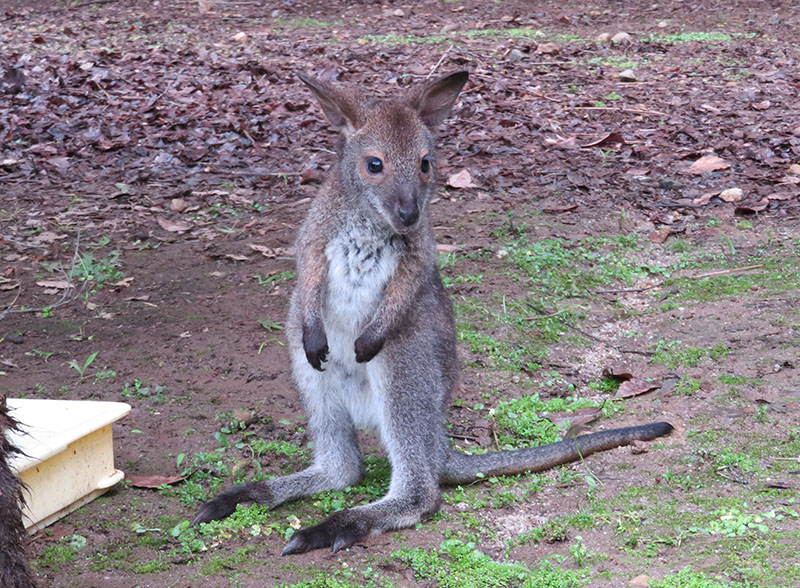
(345, 528)
(338, 531)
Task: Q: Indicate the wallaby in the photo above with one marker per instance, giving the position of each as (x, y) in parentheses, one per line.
(370, 328)
(14, 570)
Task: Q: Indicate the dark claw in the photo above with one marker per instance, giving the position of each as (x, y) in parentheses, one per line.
(368, 345)
(315, 344)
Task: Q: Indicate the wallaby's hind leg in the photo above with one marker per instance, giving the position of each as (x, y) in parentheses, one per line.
(337, 464)
(412, 433)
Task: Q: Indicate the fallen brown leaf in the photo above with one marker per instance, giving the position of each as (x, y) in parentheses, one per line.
(660, 235)
(57, 284)
(752, 208)
(705, 164)
(574, 418)
(635, 387)
(462, 179)
(173, 226)
(153, 481)
(617, 372)
(445, 248)
(609, 138)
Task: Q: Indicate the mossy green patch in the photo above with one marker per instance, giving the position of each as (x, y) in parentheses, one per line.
(223, 562)
(521, 424)
(461, 565)
(688, 579)
(695, 37)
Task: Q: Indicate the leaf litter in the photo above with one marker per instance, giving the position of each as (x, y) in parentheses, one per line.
(183, 137)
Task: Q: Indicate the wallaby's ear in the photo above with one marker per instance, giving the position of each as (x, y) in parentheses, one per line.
(336, 103)
(435, 99)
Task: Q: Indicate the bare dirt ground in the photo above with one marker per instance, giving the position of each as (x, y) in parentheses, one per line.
(156, 159)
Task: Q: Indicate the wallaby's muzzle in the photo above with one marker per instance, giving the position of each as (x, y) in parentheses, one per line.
(407, 208)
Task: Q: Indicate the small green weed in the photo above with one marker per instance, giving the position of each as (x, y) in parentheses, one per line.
(98, 271)
(270, 325)
(674, 354)
(139, 390)
(270, 279)
(606, 385)
(106, 374)
(153, 566)
(732, 522)
(260, 447)
(253, 520)
(687, 386)
(81, 368)
(727, 458)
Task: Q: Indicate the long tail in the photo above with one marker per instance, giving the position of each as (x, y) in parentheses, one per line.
(14, 570)
(460, 468)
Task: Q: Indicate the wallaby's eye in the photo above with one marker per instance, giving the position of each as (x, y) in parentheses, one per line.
(374, 165)
(425, 165)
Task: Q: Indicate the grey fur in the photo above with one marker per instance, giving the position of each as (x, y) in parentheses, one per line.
(371, 333)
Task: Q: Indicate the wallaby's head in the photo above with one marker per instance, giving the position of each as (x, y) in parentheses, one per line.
(387, 156)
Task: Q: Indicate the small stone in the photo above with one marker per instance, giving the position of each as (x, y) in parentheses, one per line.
(15, 338)
(515, 55)
(731, 195)
(501, 253)
(240, 37)
(399, 12)
(177, 204)
(621, 38)
(603, 37)
(663, 24)
(547, 48)
(796, 132)
(794, 169)
(640, 581)
(627, 76)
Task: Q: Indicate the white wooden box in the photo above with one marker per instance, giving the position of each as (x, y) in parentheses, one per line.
(67, 455)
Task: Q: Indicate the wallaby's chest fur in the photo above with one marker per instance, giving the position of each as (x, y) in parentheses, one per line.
(361, 261)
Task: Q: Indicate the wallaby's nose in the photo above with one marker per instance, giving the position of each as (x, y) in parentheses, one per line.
(408, 213)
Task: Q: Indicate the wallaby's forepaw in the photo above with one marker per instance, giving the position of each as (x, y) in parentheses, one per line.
(315, 344)
(339, 531)
(368, 345)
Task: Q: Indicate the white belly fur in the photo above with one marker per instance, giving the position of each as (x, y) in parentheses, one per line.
(359, 267)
